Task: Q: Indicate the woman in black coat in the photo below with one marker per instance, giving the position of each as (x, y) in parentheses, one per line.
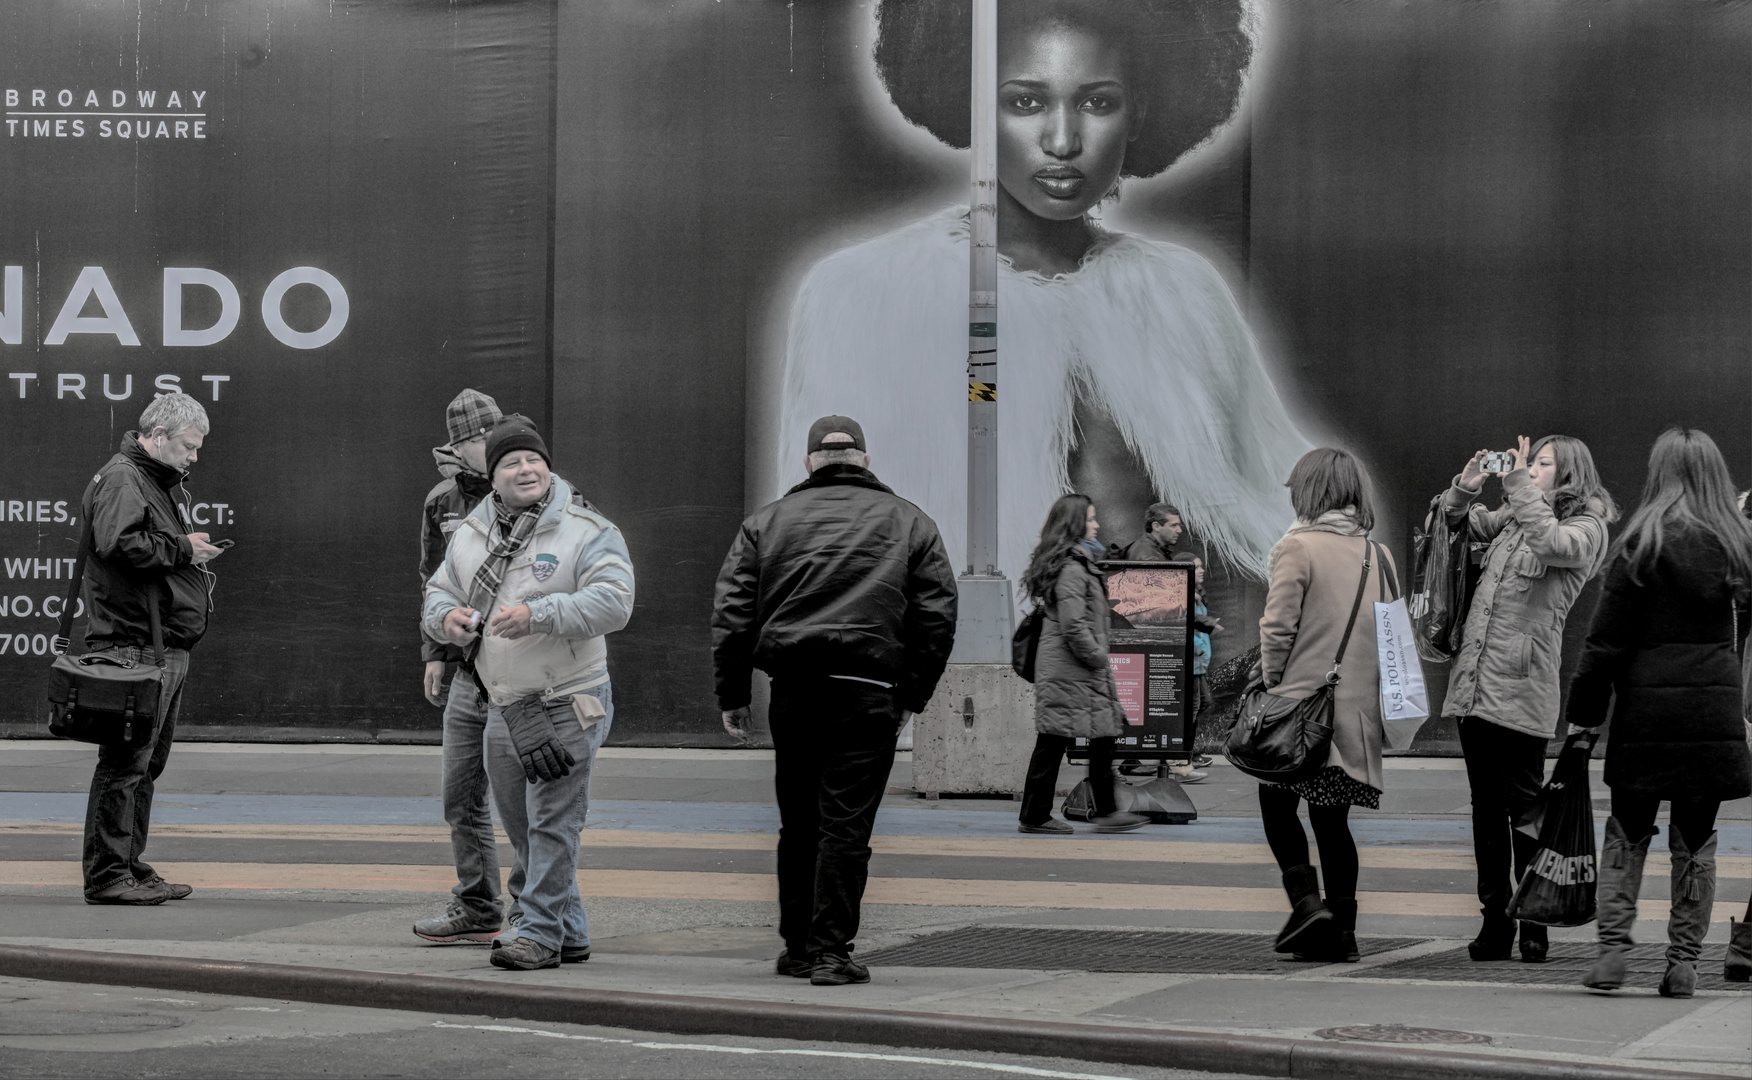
(1662, 657)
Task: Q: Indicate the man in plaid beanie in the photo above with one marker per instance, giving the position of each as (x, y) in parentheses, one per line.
(473, 912)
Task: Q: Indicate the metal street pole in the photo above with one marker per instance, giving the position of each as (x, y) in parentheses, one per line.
(982, 303)
(982, 634)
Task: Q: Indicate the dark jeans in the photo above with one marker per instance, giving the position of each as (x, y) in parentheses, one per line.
(833, 748)
(1692, 819)
(1043, 767)
(1505, 769)
(118, 812)
(1289, 844)
(1198, 699)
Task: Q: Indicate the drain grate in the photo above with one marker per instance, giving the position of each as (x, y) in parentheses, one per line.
(1394, 1033)
(1564, 966)
(1141, 951)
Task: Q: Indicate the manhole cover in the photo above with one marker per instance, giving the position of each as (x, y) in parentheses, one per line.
(1394, 1033)
(1565, 965)
(74, 1022)
(1142, 951)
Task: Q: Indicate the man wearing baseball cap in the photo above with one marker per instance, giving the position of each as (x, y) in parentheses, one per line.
(530, 586)
(843, 593)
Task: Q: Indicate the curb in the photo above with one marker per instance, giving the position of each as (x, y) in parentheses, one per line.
(677, 1014)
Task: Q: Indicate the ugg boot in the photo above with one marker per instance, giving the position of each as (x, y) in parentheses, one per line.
(1340, 946)
(1621, 870)
(1737, 966)
(1693, 900)
(1309, 921)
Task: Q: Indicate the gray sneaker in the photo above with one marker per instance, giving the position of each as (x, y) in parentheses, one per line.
(456, 924)
(128, 892)
(1124, 821)
(525, 954)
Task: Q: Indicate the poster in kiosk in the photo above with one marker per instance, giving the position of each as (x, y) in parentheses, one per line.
(1149, 646)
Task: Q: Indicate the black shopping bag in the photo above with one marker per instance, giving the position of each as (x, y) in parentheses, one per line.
(1558, 887)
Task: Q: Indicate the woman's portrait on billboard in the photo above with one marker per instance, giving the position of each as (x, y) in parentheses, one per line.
(1117, 351)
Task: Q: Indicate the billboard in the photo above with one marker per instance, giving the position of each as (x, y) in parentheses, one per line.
(673, 231)
(321, 220)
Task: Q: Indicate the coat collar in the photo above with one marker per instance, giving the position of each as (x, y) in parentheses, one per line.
(163, 475)
(841, 476)
(560, 497)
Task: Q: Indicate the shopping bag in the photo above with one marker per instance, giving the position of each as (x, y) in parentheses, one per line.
(1558, 887)
(1405, 704)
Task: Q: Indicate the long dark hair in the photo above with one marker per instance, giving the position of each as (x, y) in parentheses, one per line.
(1688, 490)
(1067, 523)
(1578, 482)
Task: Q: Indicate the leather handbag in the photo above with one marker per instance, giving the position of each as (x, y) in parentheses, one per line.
(1025, 643)
(1283, 740)
(96, 697)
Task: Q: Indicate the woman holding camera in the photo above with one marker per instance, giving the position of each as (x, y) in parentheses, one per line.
(1662, 658)
(1546, 540)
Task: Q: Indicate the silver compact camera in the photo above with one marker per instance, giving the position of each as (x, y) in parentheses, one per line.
(1499, 461)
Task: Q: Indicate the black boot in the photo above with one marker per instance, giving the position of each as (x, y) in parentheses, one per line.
(1534, 943)
(1495, 939)
(1340, 946)
(1309, 921)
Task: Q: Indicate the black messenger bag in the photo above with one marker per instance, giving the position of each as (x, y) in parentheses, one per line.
(103, 699)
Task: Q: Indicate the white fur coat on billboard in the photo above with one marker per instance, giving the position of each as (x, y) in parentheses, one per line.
(1145, 330)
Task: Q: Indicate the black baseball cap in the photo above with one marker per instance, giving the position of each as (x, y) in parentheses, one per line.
(825, 428)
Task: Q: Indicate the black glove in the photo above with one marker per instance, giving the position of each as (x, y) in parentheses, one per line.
(538, 746)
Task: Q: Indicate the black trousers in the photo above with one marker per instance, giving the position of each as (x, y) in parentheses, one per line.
(833, 748)
(1289, 844)
(1505, 769)
(1692, 819)
(1043, 767)
(118, 810)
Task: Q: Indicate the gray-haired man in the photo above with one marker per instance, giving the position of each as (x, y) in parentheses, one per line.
(142, 558)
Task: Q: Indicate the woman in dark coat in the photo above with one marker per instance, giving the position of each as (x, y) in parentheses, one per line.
(1074, 692)
(1662, 658)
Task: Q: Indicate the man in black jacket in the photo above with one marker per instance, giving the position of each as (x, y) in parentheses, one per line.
(142, 558)
(842, 592)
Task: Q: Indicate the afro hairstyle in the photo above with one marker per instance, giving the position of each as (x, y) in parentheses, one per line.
(1186, 60)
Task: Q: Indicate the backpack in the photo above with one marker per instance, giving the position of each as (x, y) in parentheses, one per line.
(1025, 643)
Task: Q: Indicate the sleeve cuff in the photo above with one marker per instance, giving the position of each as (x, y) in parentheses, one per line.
(541, 615)
(186, 548)
(1518, 480)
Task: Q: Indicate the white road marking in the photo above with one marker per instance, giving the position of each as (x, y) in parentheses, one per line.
(910, 1059)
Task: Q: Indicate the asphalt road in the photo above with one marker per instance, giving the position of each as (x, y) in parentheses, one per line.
(71, 1030)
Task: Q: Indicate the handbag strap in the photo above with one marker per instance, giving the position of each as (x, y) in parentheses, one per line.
(1356, 606)
(63, 642)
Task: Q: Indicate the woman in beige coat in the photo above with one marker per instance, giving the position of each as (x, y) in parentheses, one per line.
(1315, 573)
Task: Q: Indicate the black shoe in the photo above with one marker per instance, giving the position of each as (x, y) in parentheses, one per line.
(1309, 923)
(1050, 827)
(1534, 943)
(1340, 946)
(1118, 822)
(1201, 761)
(574, 954)
(128, 892)
(832, 970)
(1495, 940)
(172, 892)
(1134, 767)
(799, 967)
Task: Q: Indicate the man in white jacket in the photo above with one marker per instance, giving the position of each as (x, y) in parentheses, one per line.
(529, 587)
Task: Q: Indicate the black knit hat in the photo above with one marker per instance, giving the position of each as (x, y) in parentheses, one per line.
(515, 432)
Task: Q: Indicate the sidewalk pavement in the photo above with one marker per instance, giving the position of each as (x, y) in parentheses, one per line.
(321, 856)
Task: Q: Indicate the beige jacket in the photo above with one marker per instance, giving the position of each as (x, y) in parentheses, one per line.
(1313, 585)
(1507, 668)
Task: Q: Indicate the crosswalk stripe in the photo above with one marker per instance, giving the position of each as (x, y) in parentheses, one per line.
(763, 888)
(1045, 849)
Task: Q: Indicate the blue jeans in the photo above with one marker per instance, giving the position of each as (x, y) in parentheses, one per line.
(465, 805)
(543, 819)
(118, 811)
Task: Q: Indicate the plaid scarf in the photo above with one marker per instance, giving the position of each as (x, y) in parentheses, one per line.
(514, 530)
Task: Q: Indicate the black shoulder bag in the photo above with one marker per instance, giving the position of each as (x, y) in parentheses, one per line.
(97, 698)
(1284, 741)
